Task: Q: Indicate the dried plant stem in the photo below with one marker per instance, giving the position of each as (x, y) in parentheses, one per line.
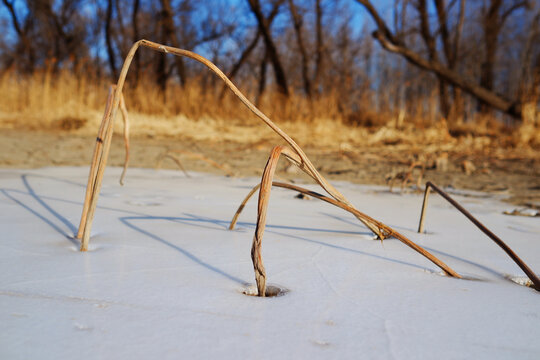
(526, 269)
(389, 232)
(305, 163)
(424, 208)
(303, 160)
(95, 160)
(264, 195)
(296, 160)
(125, 117)
(205, 159)
(99, 171)
(243, 204)
(357, 214)
(175, 159)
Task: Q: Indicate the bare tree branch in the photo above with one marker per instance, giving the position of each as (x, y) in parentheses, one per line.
(381, 24)
(513, 8)
(481, 92)
(14, 19)
(452, 77)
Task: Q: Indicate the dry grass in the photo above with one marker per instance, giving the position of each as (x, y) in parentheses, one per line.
(43, 99)
(66, 102)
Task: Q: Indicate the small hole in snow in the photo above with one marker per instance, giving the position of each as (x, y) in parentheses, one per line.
(272, 290)
(463, 276)
(520, 280)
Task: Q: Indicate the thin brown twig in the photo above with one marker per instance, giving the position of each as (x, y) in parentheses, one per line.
(175, 159)
(526, 269)
(205, 159)
(243, 204)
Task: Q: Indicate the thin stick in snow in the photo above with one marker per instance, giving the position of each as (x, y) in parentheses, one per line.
(526, 269)
(95, 160)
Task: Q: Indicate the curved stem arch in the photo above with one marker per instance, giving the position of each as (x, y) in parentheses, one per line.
(303, 159)
(265, 187)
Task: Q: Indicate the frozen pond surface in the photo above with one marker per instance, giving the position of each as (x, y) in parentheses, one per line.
(165, 278)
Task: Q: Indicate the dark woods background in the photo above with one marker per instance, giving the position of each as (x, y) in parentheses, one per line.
(360, 62)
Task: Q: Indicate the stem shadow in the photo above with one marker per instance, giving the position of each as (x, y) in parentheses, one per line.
(128, 222)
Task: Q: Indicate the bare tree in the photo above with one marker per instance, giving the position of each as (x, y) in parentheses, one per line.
(431, 44)
(108, 39)
(22, 30)
(135, 38)
(483, 91)
(493, 19)
(170, 34)
(271, 49)
(297, 23)
(319, 42)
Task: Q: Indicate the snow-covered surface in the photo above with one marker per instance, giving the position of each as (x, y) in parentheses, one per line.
(164, 277)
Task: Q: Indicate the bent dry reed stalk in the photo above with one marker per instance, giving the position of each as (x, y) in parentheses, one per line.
(192, 155)
(526, 269)
(264, 196)
(294, 154)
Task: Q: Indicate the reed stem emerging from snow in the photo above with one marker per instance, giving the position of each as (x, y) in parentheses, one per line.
(526, 269)
(90, 203)
(295, 154)
(264, 196)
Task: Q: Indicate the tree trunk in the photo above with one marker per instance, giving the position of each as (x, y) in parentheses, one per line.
(135, 24)
(529, 129)
(273, 57)
(431, 44)
(319, 44)
(169, 31)
(22, 34)
(491, 26)
(108, 40)
(262, 78)
(297, 23)
(444, 101)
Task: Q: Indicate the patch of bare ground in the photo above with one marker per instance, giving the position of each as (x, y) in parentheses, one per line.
(379, 157)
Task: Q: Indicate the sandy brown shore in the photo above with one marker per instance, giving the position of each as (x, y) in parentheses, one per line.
(513, 173)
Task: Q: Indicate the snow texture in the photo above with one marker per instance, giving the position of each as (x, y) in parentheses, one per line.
(164, 278)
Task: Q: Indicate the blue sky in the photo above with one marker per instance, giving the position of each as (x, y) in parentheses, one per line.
(358, 14)
(239, 11)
